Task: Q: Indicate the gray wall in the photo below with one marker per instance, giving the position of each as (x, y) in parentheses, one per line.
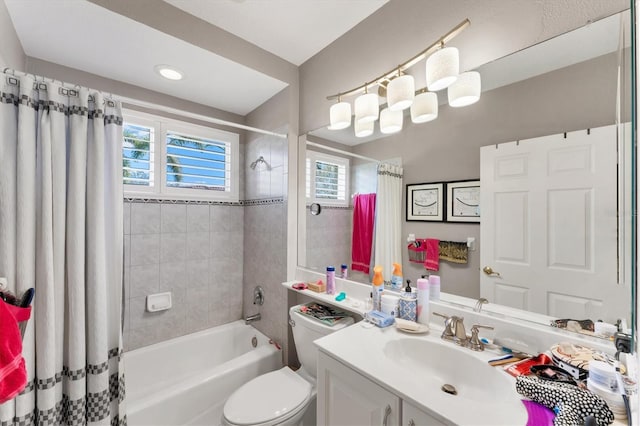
(11, 52)
(573, 98)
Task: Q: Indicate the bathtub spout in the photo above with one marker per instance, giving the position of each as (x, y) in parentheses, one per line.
(252, 318)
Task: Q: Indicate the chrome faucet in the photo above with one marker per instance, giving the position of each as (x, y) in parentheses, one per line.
(454, 331)
(459, 333)
(479, 304)
(252, 318)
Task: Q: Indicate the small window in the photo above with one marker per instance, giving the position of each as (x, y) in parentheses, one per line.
(171, 159)
(327, 179)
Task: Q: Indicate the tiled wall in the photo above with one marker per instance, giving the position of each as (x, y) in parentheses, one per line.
(265, 235)
(329, 238)
(195, 251)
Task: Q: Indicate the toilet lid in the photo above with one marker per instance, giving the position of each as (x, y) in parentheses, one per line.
(275, 395)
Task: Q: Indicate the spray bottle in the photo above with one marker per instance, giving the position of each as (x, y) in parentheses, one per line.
(396, 277)
(378, 287)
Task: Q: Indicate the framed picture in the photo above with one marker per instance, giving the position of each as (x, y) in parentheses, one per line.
(463, 201)
(425, 202)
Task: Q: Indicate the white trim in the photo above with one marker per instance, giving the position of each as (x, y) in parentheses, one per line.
(160, 190)
(314, 156)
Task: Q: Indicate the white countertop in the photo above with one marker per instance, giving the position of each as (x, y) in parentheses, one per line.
(363, 349)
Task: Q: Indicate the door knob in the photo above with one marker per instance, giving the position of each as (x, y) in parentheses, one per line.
(489, 271)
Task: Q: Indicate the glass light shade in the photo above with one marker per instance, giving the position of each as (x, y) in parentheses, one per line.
(424, 107)
(340, 116)
(400, 93)
(363, 129)
(466, 90)
(443, 68)
(390, 121)
(366, 108)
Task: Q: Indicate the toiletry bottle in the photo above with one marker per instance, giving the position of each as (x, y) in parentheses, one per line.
(378, 287)
(396, 277)
(343, 271)
(434, 287)
(331, 280)
(407, 305)
(423, 300)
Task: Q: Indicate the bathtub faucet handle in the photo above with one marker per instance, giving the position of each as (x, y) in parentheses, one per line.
(258, 296)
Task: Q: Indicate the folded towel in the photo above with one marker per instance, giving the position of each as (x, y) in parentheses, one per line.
(453, 251)
(432, 257)
(13, 374)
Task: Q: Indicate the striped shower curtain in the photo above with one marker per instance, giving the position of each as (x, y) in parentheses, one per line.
(61, 233)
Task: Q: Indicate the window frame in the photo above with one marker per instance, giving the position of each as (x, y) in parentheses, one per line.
(314, 156)
(160, 190)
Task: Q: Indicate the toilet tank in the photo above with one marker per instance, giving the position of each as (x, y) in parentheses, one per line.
(307, 329)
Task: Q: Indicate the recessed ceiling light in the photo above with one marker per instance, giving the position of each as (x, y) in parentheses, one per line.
(169, 72)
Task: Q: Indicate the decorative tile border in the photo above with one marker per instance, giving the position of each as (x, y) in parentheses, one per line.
(260, 202)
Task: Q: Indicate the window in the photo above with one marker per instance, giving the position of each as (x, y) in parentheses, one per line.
(327, 179)
(166, 158)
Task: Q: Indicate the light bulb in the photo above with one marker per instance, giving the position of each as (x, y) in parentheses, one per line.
(466, 90)
(442, 68)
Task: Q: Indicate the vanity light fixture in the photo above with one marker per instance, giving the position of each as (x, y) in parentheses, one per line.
(363, 130)
(340, 115)
(169, 72)
(424, 107)
(390, 121)
(366, 107)
(466, 89)
(400, 92)
(442, 70)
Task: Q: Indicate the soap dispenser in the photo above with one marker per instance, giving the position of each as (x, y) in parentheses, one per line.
(407, 306)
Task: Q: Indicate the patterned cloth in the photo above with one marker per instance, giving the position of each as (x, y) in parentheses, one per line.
(571, 404)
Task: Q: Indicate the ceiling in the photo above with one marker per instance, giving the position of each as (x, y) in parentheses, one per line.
(90, 38)
(294, 30)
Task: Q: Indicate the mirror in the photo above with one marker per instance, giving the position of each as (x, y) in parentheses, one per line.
(566, 84)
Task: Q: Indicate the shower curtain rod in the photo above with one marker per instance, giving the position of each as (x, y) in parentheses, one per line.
(339, 151)
(161, 108)
(201, 117)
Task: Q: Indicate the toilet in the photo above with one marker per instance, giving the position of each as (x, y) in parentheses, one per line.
(283, 396)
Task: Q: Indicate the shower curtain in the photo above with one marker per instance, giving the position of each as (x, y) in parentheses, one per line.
(388, 238)
(61, 232)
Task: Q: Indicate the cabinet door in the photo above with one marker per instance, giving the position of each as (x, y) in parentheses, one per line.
(346, 398)
(413, 416)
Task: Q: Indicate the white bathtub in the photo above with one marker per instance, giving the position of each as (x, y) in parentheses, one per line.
(185, 381)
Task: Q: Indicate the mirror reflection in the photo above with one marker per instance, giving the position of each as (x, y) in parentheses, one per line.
(572, 245)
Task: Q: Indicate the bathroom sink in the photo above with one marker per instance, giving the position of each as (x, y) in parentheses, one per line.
(439, 363)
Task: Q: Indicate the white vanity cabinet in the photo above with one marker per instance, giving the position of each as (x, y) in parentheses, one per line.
(413, 416)
(345, 397)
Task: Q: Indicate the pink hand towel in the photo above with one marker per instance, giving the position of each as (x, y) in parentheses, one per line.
(13, 374)
(364, 213)
(432, 256)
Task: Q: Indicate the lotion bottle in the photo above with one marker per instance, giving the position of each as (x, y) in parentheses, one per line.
(423, 300)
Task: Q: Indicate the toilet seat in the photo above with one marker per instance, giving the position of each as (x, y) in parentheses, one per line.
(268, 400)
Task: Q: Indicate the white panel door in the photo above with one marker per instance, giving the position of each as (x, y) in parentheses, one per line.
(549, 225)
